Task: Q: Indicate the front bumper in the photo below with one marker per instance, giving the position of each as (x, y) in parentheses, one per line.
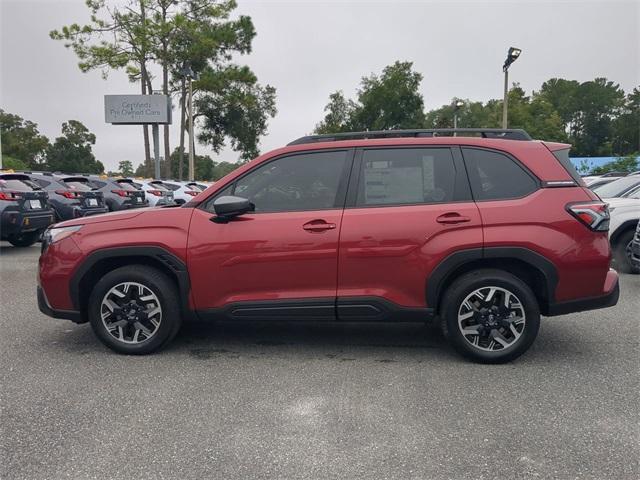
(45, 308)
(609, 299)
(16, 222)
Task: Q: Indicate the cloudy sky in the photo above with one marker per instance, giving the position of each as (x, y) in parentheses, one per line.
(308, 49)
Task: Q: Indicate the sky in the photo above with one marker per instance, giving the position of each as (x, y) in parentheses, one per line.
(308, 49)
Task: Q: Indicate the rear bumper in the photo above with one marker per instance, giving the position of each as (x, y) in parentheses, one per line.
(15, 222)
(609, 299)
(45, 308)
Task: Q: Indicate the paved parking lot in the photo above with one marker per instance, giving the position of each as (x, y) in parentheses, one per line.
(252, 400)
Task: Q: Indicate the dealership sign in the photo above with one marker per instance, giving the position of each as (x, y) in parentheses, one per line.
(137, 109)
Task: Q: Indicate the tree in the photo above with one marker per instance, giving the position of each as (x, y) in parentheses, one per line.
(626, 126)
(71, 152)
(630, 163)
(234, 106)
(118, 37)
(388, 101)
(22, 142)
(126, 168)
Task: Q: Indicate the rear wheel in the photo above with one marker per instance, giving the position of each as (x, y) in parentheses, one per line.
(490, 316)
(622, 253)
(134, 310)
(24, 239)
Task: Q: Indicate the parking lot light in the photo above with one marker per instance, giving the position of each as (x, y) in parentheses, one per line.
(512, 56)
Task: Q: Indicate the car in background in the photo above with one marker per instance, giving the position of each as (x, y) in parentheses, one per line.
(196, 186)
(610, 176)
(625, 214)
(182, 193)
(157, 194)
(70, 196)
(635, 250)
(24, 209)
(618, 188)
(119, 193)
(598, 182)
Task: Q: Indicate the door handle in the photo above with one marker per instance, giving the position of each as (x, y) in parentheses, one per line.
(452, 218)
(318, 226)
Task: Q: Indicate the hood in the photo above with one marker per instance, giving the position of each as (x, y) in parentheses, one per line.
(623, 202)
(105, 217)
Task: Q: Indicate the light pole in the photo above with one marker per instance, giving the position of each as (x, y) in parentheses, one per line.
(457, 105)
(187, 72)
(512, 56)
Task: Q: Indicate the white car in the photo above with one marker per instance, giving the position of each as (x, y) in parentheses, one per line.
(182, 192)
(625, 214)
(157, 194)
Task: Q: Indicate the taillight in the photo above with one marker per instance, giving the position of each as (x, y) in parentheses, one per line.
(594, 215)
(193, 193)
(122, 193)
(10, 196)
(67, 193)
(157, 193)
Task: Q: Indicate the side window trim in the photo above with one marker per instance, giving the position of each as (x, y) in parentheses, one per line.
(472, 175)
(461, 184)
(341, 192)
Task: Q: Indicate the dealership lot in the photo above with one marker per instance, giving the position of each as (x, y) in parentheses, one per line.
(286, 400)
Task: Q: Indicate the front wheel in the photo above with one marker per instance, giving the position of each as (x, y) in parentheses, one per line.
(24, 239)
(134, 310)
(490, 316)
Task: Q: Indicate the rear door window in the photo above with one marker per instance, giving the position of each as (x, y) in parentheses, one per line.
(406, 176)
(496, 176)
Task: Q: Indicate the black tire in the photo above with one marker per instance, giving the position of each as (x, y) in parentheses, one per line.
(24, 239)
(621, 250)
(464, 286)
(160, 285)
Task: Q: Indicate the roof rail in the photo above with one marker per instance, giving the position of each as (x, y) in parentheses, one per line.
(505, 134)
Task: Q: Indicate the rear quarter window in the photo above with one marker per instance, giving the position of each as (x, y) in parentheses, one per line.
(496, 176)
(563, 157)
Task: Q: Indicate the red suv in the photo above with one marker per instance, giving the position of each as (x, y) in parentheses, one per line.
(481, 233)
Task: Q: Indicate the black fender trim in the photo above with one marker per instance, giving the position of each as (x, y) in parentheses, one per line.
(160, 254)
(446, 267)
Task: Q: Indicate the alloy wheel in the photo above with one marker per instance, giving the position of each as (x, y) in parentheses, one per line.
(131, 312)
(491, 318)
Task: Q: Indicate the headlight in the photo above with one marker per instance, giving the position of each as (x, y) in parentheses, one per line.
(55, 234)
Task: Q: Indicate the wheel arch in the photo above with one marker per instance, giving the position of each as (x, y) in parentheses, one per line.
(622, 229)
(103, 261)
(534, 269)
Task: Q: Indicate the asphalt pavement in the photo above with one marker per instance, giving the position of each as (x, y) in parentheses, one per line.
(304, 400)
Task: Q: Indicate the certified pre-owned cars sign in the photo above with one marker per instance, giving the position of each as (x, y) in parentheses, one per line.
(136, 109)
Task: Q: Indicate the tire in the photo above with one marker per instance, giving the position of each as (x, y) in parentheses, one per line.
(24, 239)
(622, 251)
(490, 318)
(121, 336)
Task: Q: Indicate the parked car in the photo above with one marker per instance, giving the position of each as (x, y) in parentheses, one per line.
(635, 250)
(625, 214)
(618, 188)
(182, 193)
(119, 193)
(70, 196)
(599, 182)
(156, 193)
(24, 209)
(196, 186)
(590, 179)
(483, 235)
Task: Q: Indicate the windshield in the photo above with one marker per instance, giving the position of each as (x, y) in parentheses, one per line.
(617, 187)
(79, 184)
(170, 186)
(635, 193)
(127, 185)
(159, 186)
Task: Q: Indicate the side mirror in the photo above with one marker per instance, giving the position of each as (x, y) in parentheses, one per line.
(227, 207)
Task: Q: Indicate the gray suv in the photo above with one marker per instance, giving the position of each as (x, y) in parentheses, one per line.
(119, 193)
(71, 196)
(24, 210)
